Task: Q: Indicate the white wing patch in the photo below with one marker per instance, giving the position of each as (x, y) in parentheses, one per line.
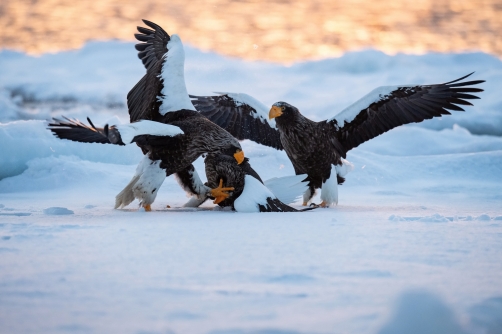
(145, 127)
(381, 93)
(288, 188)
(254, 193)
(173, 73)
(261, 109)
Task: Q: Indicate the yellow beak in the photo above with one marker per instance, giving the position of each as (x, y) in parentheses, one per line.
(274, 112)
(239, 156)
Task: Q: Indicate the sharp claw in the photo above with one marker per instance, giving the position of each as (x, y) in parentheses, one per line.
(220, 193)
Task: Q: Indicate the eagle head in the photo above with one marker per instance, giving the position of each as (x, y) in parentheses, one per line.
(283, 112)
(236, 152)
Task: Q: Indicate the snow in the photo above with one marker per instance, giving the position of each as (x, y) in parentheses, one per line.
(414, 245)
(57, 211)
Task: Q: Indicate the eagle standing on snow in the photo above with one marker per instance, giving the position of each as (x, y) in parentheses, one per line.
(318, 149)
(160, 97)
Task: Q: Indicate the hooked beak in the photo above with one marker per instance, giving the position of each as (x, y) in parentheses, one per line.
(274, 112)
(239, 156)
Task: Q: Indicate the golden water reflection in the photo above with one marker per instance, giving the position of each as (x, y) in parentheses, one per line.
(276, 30)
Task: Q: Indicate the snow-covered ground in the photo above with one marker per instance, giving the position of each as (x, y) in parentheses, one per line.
(414, 246)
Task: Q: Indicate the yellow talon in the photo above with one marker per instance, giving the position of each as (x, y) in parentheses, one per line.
(304, 204)
(220, 193)
(147, 207)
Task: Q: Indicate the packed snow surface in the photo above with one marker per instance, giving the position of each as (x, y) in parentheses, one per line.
(414, 245)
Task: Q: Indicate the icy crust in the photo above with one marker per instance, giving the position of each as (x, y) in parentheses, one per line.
(254, 194)
(261, 109)
(145, 127)
(175, 95)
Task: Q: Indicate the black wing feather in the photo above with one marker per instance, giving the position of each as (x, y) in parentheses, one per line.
(406, 105)
(74, 130)
(154, 45)
(237, 118)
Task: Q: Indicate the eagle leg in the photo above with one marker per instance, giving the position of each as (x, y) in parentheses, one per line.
(220, 193)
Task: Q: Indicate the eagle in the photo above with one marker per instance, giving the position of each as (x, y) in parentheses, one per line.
(319, 149)
(160, 97)
(231, 182)
(248, 193)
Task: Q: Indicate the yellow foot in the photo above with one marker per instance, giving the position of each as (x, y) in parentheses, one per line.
(220, 193)
(304, 204)
(147, 207)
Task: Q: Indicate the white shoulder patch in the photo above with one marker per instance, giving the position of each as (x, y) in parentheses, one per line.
(261, 109)
(254, 193)
(145, 127)
(175, 95)
(348, 114)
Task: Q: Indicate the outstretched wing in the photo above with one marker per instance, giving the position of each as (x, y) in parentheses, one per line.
(388, 107)
(154, 45)
(116, 134)
(74, 130)
(162, 89)
(142, 100)
(241, 115)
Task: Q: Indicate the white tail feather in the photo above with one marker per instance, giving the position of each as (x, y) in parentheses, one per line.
(287, 188)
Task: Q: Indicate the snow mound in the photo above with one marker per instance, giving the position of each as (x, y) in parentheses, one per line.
(483, 217)
(23, 141)
(57, 211)
(420, 312)
(486, 317)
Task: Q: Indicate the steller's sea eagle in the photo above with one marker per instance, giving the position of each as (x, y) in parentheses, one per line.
(160, 96)
(318, 149)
